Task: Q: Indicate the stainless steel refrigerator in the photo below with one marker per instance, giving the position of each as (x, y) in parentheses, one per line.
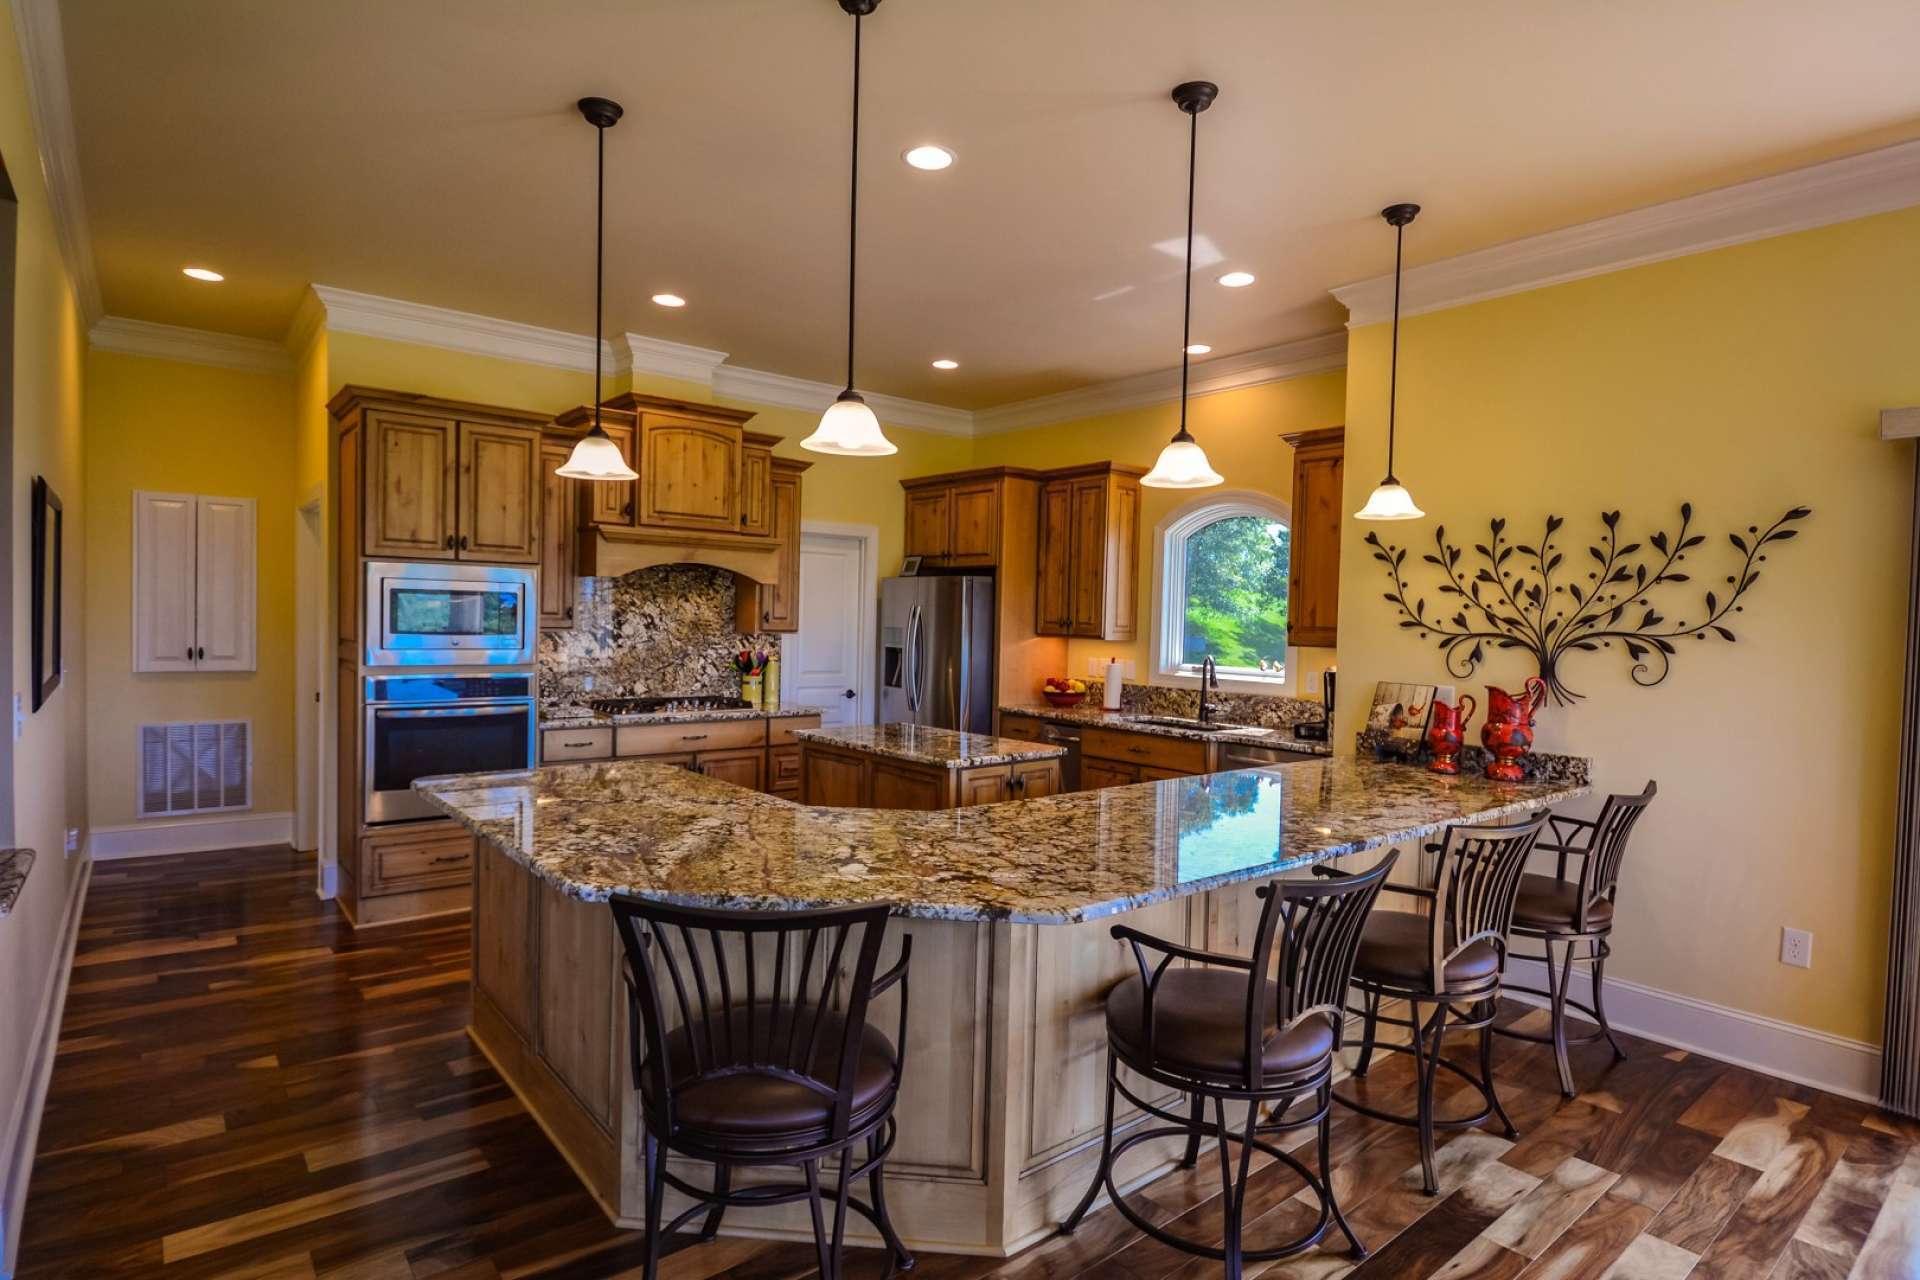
(936, 652)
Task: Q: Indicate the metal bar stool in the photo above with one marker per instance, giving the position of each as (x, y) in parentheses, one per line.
(741, 1059)
(1242, 1031)
(1576, 913)
(1451, 958)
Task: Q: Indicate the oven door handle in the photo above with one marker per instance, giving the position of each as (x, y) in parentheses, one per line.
(445, 709)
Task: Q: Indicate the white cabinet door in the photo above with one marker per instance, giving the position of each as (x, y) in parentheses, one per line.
(163, 606)
(224, 585)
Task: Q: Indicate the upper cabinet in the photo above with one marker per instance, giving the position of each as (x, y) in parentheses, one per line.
(1313, 587)
(1089, 553)
(193, 583)
(693, 464)
(775, 606)
(756, 485)
(559, 517)
(954, 520)
(442, 480)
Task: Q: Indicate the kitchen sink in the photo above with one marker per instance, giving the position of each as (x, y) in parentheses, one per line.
(1198, 726)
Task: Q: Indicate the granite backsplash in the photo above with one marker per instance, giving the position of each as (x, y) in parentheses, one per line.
(1269, 711)
(663, 630)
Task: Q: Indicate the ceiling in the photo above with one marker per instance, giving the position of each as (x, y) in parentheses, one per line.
(431, 152)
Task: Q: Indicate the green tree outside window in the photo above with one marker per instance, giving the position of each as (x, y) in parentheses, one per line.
(1236, 605)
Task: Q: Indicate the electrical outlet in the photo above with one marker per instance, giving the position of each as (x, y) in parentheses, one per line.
(73, 841)
(1126, 669)
(1796, 948)
(1096, 667)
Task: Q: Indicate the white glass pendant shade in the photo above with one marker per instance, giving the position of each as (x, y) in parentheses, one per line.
(596, 457)
(849, 428)
(1389, 501)
(1182, 465)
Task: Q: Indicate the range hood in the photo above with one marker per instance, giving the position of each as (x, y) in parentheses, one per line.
(608, 551)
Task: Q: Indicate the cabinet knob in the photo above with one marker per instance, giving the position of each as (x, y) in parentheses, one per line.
(449, 542)
(201, 653)
(463, 542)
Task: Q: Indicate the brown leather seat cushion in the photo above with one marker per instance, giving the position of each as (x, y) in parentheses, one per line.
(1395, 949)
(1200, 1027)
(756, 1103)
(1551, 905)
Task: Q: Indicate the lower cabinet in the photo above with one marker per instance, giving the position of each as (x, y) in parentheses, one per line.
(1095, 774)
(406, 870)
(760, 755)
(744, 768)
(841, 779)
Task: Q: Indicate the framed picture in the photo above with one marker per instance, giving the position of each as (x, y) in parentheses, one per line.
(1401, 710)
(47, 531)
(910, 567)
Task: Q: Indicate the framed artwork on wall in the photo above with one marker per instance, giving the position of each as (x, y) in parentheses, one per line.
(910, 567)
(47, 537)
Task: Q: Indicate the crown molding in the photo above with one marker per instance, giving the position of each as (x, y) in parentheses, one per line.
(637, 353)
(760, 387)
(309, 318)
(1208, 377)
(194, 346)
(43, 56)
(1837, 191)
(373, 316)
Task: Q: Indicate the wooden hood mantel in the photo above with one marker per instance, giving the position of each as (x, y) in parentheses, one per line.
(608, 552)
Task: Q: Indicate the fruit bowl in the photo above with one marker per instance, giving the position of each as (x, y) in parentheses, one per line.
(1061, 698)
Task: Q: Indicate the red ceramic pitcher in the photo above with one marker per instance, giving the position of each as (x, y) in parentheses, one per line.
(1447, 731)
(1508, 731)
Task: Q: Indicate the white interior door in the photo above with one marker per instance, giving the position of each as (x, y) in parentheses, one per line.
(828, 663)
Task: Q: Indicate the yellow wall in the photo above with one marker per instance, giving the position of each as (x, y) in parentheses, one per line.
(1745, 380)
(1240, 430)
(185, 428)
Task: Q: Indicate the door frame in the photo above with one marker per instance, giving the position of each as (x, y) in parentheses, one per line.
(867, 659)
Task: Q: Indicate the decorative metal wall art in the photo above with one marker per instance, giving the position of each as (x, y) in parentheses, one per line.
(1525, 596)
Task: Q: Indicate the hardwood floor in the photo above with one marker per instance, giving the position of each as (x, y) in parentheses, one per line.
(245, 1087)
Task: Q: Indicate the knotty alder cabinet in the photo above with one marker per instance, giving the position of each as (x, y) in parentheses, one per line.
(758, 754)
(692, 464)
(1313, 586)
(1089, 553)
(840, 779)
(955, 520)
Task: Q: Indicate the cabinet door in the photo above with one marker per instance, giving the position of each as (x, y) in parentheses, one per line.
(558, 531)
(1055, 591)
(746, 768)
(975, 521)
(223, 590)
(756, 490)
(989, 785)
(1036, 778)
(929, 521)
(1121, 573)
(900, 786)
(780, 602)
(499, 493)
(1088, 572)
(609, 501)
(1313, 590)
(410, 465)
(689, 474)
(833, 780)
(164, 548)
(1095, 774)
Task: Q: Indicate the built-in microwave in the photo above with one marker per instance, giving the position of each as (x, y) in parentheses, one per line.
(444, 615)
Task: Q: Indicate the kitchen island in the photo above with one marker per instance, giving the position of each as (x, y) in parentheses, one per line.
(1000, 1109)
(916, 766)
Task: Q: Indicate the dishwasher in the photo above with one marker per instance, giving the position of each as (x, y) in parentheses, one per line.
(1067, 736)
(1246, 755)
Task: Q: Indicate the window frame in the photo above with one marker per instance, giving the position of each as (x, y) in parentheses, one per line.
(1168, 628)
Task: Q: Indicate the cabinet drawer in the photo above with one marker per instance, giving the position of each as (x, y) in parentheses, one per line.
(711, 735)
(783, 768)
(1177, 754)
(576, 744)
(429, 857)
(1025, 728)
(780, 732)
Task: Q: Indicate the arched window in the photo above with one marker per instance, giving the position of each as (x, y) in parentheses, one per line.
(1221, 590)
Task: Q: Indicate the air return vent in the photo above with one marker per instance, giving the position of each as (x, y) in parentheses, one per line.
(195, 768)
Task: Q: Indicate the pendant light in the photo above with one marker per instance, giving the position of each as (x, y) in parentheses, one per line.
(848, 427)
(1183, 464)
(1390, 499)
(596, 456)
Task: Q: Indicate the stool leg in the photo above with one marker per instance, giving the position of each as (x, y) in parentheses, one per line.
(1199, 1114)
(1486, 1071)
(1326, 1172)
(1370, 1002)
(1600, 951)
(840, 1192)
(1557, 993)
(1428, 1062)
(877, 1182)
(654, 1154)
(1234, 1188)
(722, 1183)
(1106, 1154)
(820, 1247)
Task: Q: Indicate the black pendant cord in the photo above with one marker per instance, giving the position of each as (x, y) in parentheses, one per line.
(1393, 366)
(599, 267)
(1186, 314)
(853, 203)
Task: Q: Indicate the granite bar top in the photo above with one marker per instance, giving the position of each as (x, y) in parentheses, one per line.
(596, 829)
(14, 865)
(923, 744)
(588, 718)
(1132, 722)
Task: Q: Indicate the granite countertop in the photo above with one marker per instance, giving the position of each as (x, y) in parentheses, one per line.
(587, 718)
(596, 829)
(924, 744)
(1132, 722)
(14, 865)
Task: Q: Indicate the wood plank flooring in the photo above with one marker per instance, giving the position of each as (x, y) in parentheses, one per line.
(247, 1088)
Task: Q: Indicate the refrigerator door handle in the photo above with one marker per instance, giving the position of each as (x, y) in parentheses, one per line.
(912, 660)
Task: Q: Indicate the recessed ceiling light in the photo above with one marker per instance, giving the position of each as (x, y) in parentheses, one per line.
(1237, 279)
(1198, 349)
(669, 300)
(928, 157)
(946, 364)
(203, 273)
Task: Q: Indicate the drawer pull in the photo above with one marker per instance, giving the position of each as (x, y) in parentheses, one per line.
(1139, 751)
(449, 857)
(577, 744)
(693, 737)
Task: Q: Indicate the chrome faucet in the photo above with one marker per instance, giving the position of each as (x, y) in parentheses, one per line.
(1208, 678)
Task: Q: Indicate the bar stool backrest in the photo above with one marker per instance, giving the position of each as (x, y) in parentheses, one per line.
(1475, 886)
(737, 991)
(1601, 874)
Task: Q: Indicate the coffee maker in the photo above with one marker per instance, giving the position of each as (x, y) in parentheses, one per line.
(1322, 731)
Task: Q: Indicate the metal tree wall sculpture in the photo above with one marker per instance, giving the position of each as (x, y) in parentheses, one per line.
(1524, 596)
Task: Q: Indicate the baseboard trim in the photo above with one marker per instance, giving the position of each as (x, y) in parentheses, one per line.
(189, 835)
(23, 1133)
(1850, 1068)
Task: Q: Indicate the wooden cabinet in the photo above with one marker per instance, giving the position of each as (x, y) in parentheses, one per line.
(193, 582)
(1313, 585)
(929, 521)
(756, 485)
(783, 771)
(760, 755)
(559, 519)
(746, 767)
(775, 606)
(1095, 774)
(589, 742)
(414, 856)
(831, 778)
(1089, 553)
(1112, 757)
(410, 460)
(894, 785)
(975, 524)
(955, 519)
(498, 508)
(608, 501)
(840, 777)
(689, 473)
(1034, 779)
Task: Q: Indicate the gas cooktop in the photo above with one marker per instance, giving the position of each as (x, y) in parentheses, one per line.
(671, 702)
